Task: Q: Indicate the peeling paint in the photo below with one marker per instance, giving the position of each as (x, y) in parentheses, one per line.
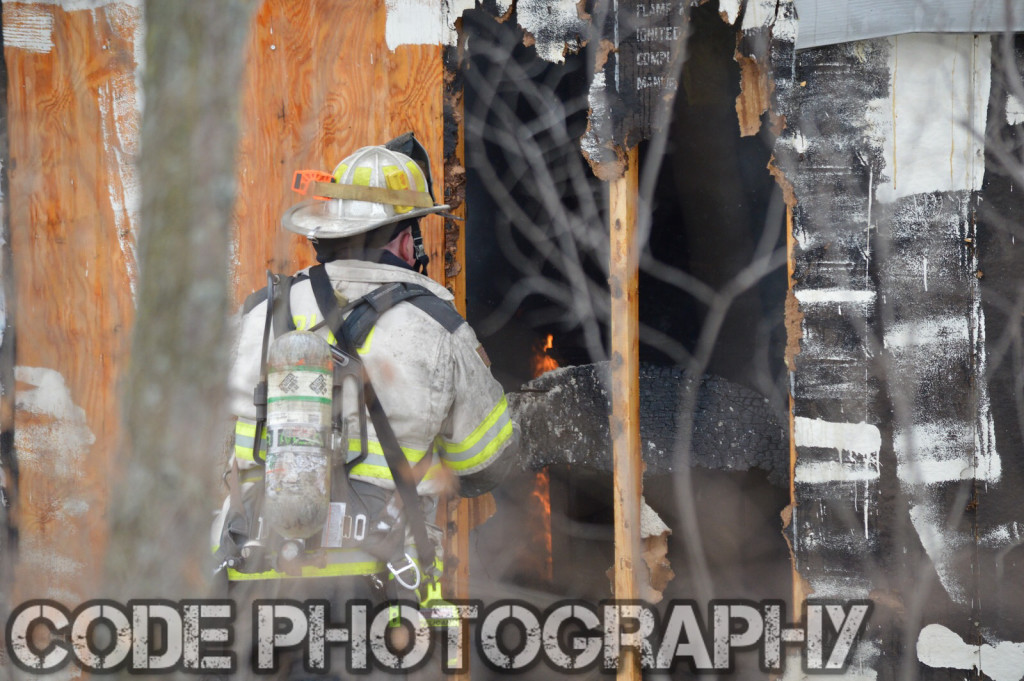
(415, 22)
(930, 453)
(52, 441)
(859, 469)
(28, 27)
(1014, 110)
(931, 331)
(857, 438)
(834, 295)
(940, 648)
(759, 14)
(840, 587)
(591, 143)
(941, 544)
(937, 334)
(884, 151)
(931, 129)
(651, 524)
(730, 10)
(50, 396)
(596, 144)
(120, 102)
(785, 26)
(554, 25)
(120, 118)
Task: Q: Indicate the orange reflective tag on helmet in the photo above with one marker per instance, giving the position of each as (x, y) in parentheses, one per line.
(304, 179)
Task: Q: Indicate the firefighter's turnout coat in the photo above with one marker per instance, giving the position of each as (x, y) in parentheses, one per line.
(447, 411)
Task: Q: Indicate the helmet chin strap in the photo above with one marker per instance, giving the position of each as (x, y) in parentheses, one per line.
(419, 252)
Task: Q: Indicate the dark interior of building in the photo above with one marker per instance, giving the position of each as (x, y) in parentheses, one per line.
(536, 228)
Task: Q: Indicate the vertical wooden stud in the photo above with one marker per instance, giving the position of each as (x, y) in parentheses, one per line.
(462, 514)
(625, 389)
(793, 329)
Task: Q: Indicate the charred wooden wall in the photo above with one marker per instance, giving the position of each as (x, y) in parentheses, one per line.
(895, 150)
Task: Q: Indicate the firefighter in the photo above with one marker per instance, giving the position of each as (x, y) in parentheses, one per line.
(429, 373)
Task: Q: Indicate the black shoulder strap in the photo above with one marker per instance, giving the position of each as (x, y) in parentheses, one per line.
(323, 292)
(254, 299)
(283, 320)
(259, 394)
(282, 304)
(366, 311)
(442, 311)
(401, 473)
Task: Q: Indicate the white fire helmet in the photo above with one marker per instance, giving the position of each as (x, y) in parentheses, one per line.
(371, 188)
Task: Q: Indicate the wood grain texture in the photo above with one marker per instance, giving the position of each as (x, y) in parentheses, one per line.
(73, 132)
(625, 387)
(320, 83)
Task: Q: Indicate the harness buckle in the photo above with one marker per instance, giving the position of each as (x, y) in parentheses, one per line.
(397, 572)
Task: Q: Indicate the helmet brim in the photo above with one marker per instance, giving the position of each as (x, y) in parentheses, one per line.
(311, 220)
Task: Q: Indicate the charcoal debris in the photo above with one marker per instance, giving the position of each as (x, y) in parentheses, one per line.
(563, 415)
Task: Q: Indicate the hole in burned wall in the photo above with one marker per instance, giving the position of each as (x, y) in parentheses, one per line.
(533, 230)
(536, 235)
(715, 206)
(537, 228)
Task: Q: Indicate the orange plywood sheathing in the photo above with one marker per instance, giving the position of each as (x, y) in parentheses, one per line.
(73, 116)
(320, 83)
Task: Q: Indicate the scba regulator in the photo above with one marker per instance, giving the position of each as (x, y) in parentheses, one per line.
(512, 636)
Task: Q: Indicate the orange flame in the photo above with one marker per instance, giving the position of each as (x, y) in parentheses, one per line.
(542, 361)
(542, 494)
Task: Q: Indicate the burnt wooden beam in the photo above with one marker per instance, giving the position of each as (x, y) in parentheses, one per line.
(563, 415)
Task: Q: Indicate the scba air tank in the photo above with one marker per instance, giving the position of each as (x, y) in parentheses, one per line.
(298, 472)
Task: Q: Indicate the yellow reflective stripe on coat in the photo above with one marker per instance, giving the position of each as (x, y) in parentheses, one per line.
(245, 438)
(488, 438)
(375, 465)
(302, 322)
(339, 569)
(365, 347)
